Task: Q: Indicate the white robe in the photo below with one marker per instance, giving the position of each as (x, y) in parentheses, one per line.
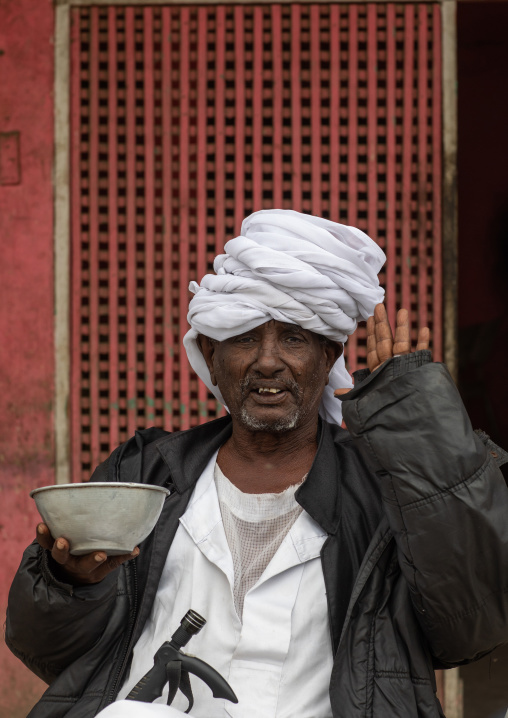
(278, 660)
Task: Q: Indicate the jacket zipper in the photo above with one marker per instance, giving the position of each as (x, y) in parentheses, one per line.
(125, 652)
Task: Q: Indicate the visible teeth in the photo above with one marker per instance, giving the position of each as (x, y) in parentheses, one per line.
(267, 390)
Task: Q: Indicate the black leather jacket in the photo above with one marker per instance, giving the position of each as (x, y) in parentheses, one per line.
(415, 564)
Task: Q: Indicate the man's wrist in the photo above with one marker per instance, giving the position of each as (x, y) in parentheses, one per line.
(396, 366)
(52, 574)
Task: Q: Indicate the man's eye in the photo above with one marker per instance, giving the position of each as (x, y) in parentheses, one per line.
(245, 340)
(294, 338)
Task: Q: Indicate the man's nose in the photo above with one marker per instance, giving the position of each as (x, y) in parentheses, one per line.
(268, 359)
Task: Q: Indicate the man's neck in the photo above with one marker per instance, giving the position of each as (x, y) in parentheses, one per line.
(259, 462)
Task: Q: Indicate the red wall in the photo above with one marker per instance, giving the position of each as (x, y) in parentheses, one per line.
(26, 306)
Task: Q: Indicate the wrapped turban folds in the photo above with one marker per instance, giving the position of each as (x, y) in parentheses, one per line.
(293, 268)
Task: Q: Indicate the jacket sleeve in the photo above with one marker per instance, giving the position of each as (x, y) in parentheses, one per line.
(50, 623)
(446, 502)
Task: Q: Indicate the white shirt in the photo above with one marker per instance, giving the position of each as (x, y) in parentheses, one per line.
(278, 659)
(255, 526)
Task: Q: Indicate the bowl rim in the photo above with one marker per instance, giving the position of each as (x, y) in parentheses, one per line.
(102, 484)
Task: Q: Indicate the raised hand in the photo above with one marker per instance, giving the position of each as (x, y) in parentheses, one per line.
(381, 345)
(79, 570)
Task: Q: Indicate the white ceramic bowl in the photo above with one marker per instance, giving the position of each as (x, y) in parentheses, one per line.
(112, 517)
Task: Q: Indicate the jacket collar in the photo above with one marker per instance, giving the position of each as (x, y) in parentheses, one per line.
(187, 453)
(320, 493)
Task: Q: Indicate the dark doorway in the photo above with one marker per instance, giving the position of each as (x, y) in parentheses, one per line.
(483, 267)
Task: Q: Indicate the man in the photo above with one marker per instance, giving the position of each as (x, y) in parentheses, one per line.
(336, 570)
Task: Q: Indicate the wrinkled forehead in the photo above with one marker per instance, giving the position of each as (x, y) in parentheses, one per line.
(278, 328)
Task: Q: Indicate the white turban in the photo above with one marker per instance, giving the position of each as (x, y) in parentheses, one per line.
(293, 268)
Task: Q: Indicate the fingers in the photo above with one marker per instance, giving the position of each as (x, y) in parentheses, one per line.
(44, 538)
(80, 570)
(76, 565)
(60, 551)
(93, 567)
(403, 335)
(379, 338)
(381, 345)
(384, 336)
(402, 343)
(372, 357)
(102, 566)
(423, 339)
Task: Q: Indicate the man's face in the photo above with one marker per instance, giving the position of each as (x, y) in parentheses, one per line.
(273, 376)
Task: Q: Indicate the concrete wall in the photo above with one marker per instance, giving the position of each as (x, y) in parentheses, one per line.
(26, 305)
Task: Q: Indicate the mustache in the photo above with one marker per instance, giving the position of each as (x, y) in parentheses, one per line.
(291, 385)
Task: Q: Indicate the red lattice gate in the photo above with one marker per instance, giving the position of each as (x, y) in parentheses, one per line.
(185, 119)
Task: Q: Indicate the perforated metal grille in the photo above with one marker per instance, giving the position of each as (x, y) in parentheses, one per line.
(187, 119)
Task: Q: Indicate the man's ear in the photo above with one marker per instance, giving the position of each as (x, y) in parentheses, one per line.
(207, 349)
(333, 351)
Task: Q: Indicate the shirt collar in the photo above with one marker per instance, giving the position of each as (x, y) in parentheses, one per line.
(187, 454)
